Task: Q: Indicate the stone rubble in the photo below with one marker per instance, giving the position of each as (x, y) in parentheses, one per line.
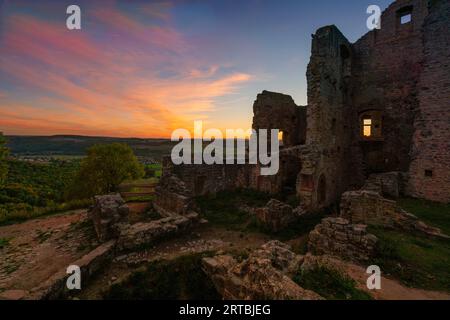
(369, 207)
(264, 275)
(337, 237)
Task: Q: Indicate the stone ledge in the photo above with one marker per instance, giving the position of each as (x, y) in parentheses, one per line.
(55, 286)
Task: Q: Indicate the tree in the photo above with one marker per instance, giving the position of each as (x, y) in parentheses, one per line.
(3, 157)
(104, 169)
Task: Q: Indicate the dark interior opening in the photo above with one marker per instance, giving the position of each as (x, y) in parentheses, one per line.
(322, 190)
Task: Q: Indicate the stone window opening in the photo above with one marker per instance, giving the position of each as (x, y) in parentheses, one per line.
(281, 137)
(367, 127)
(371, 125)
(404, 15)
(429, 173)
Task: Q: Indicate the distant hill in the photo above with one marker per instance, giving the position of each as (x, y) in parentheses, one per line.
(77, 145)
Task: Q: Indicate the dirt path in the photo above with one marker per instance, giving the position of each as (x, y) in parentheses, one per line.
(36, 249)
(390, 289)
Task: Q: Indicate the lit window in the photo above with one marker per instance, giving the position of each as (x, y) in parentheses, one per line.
(280, 135)
(367, 127)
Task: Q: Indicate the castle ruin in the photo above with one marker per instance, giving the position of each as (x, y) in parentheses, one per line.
(376, 106)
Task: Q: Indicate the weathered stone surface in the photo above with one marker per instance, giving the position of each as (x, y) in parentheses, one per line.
(273, 110)
(337, 237)
(264, 275)
(55, 287)
(142, 234)
(109, 215)
(387, 184)
(276, 215)
(369, 207)
(430, 152)
(13, 294)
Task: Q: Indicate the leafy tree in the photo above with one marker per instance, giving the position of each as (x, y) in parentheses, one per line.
(105, 167)
(3, 155)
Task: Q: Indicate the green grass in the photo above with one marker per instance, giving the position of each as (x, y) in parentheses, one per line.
(330, 284)
(223, 210)
(433, 213)
(156, 168)
(181, 278)
(415, 260)
(10, 214)
(302, 226)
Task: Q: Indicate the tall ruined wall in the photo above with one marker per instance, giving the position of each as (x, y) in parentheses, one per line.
(386, 71)
(430, 168)
(278, 111)
(324, 160)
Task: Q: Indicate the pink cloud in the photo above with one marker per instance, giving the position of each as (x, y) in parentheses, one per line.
(87, 86)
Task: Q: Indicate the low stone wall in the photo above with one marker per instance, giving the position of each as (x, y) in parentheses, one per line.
(109, 214)
(276, 215)
(265, 275)
(55, 287)
(172, 196)
(388, 184)
(337, 237)
(142, 234)
(369, 207)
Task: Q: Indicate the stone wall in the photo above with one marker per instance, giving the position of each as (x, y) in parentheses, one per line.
(276, 215)
(430, 168)
(109, 215)
(385, 74)
(90, 264)
(337, 237)
(278, 111)
(325, 166)
(147, 233)
(390, 184)
(264, 275)
(369, 207)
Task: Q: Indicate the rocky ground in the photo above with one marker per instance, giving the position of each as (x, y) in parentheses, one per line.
(34, 250)
(38, 248)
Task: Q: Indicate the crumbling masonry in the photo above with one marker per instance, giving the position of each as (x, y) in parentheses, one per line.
(377, 106)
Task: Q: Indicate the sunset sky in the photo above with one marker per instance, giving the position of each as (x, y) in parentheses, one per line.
(145, 68)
